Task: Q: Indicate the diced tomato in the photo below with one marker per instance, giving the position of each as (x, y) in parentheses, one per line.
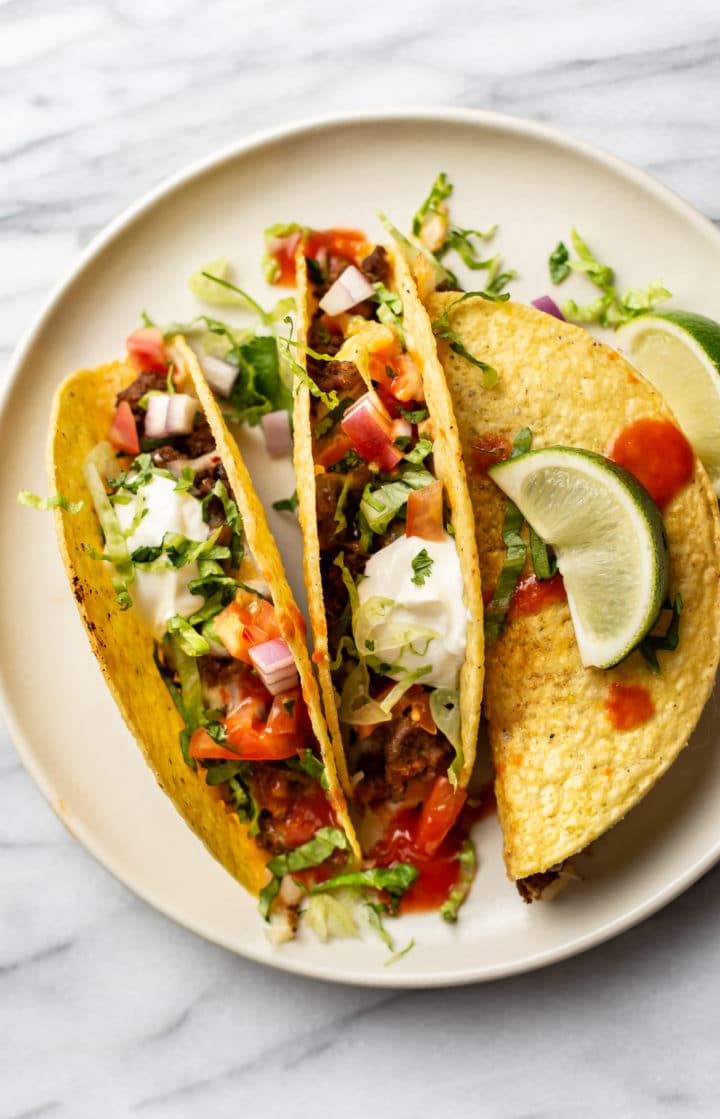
(204, 747)
(408, 384)
(146, 348)
(248, 727)
(298, 807)
(348, 244)
(439, 812)
(123, 430)
(396, 373)
(229, 625)
(424, 516)
(285, 714)
(371, 431)
(331, 449)
(246, 622)
(260, 746)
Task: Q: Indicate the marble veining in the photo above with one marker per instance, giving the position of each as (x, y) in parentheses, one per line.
(107, 1008)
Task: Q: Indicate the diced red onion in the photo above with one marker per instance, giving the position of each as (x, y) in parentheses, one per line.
(402, 429)
(275, 665)
(169, 414)
(156, 416)
(181, 413)
(276, 429)
(549, 306)
(219, 374)
(351, 287)
(371, 431)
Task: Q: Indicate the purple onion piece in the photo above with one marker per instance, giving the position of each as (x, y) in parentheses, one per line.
(549, 306)
(276, 429)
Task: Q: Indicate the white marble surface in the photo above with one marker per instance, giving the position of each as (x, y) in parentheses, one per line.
(108, 1009)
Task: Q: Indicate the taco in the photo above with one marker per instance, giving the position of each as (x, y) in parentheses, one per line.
(390, 557)
(571, 759)
(184, 598)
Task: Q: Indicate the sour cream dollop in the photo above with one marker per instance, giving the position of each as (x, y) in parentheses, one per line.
(159, 595)
(409, 624)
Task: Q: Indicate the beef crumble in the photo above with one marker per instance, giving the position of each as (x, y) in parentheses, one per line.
(143, 384)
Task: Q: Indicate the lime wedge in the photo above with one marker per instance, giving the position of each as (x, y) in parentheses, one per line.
(679, 353)
(608, 538)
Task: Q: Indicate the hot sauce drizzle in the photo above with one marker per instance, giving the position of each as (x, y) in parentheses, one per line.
(658, 454)
(489, 449)
(318, 244)
(628, 706)
(532, 595)
(438, 873)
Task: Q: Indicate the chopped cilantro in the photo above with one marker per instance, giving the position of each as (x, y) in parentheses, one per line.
(422, 566)
(287, 504)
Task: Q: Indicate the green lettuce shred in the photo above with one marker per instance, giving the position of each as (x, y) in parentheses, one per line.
(468, 865)
(55, 501)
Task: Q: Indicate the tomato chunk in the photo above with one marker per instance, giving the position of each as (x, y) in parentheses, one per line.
(424, 516)
(123, 431)
(371, 430)
(146, 348)
(439, 812)
(246, 622)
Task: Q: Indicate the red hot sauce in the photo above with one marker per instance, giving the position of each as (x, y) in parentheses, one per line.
(628, 706)
(658, 454)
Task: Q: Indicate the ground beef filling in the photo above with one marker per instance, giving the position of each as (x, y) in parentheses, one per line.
(535, 886)
(342, 377)
(278, 790)
(143, 384)
(395, 755)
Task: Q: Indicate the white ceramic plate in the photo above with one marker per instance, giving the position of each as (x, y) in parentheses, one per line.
(536, 184)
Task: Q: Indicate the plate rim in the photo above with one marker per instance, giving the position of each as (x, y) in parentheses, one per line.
(256, 140)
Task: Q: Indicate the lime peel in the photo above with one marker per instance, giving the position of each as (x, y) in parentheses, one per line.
(679, 353)
(608, 538)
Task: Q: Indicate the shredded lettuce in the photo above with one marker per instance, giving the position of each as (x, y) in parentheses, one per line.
(611, 308)
(394, 880)
(390, 309)
(399, 955)
(442, 329)
(459, 239)
(95, 470)
(411, 250)
(329, 399)
(270, 266)
(234, 775)
(56, 501)
(468, 865)
(544, 564)
(212, 285)
(190, 641)
(445, 711)
(189, 697)
(323, 844)
(358, 708)
(332, 915)
(380, 505)
(516, 551)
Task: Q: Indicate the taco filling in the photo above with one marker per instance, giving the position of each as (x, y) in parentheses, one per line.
(391, 604)
(176, 540)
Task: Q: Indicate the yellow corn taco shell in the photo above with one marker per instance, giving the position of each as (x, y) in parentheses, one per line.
(82, 413)
(564, 775)
(448, 467)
